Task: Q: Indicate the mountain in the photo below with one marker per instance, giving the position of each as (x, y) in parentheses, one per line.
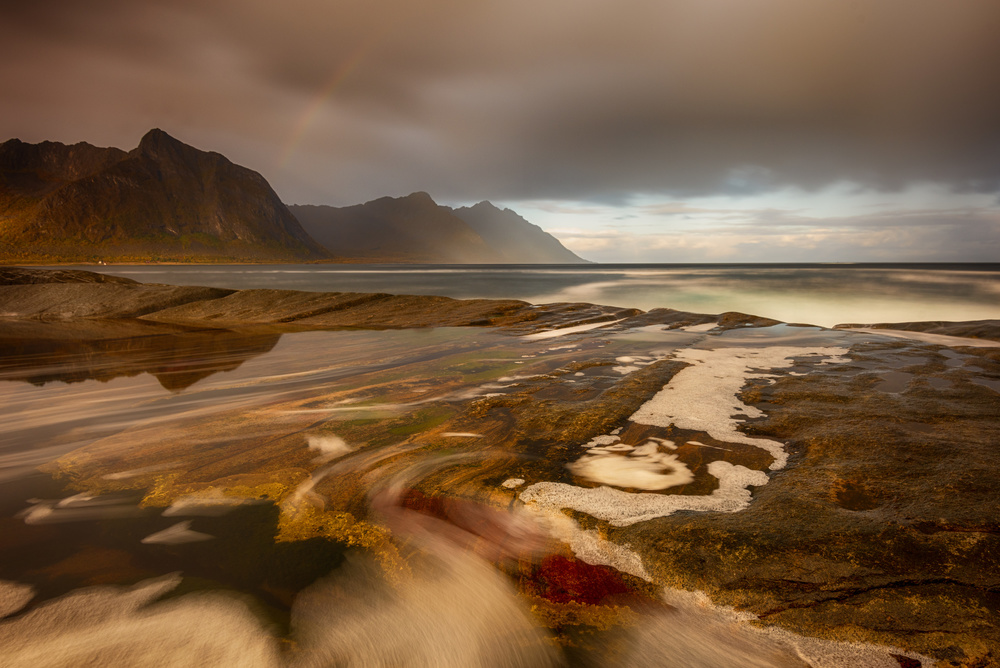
(513, 237)
(164, 200)
(417, 229)
(395, 229)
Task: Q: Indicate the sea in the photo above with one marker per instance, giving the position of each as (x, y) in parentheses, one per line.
(816, 294)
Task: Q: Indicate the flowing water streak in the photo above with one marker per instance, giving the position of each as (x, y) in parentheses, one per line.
(437, 617)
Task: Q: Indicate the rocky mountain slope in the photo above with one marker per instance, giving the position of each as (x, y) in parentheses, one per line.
(417, 229)
(513, 237)
(164, 200)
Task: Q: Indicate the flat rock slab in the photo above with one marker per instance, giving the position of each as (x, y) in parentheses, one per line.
(28, 276)
(341, 309)
(66, 301)
(973, 329)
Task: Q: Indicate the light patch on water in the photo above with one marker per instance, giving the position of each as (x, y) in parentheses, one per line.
(702, 397)
(117, 626)
(644, 467)
(329, 446)
(511, 483)
(78, 508)
(925, 337)
(209, 503)
(13, 597)
(990, 383)
(816, 652)
(368, 411)
(702, 445)
(455, 611)
(602, 440)
(178, 534)
(704, 327)
(626, 508)
(553, 333)
(461, 434)
(617, 447)
(132, 473)
(624, 370)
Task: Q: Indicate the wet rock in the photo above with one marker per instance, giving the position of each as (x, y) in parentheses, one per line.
(882, 529)
(28, 276)
(972, 329)
(68, 301)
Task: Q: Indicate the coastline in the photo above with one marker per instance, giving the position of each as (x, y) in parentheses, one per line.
(823, 521)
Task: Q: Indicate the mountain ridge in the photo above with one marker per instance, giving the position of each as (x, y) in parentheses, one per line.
(167, 201)
(515, 238)
(382, 230)
(162, 200)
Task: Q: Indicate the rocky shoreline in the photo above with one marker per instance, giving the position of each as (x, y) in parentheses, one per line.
(870, 521)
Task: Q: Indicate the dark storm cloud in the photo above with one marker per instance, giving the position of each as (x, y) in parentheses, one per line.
(516, 99)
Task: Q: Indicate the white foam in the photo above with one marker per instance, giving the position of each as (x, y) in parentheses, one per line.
(511, 483)
(588, 545)
(624, 508)
(702, 397)
(644, 467)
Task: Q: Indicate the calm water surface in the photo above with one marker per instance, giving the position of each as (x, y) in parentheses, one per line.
(816, 294)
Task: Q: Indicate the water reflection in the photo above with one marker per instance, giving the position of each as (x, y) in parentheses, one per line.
(72, 352)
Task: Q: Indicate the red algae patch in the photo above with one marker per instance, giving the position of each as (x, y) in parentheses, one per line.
(562, 580)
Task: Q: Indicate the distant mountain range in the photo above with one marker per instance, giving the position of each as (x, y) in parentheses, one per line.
(417, 229)
(167, 201)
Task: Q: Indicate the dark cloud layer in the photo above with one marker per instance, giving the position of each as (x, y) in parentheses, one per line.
(514, 99)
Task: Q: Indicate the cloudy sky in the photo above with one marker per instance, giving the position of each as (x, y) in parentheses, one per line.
(634, 130)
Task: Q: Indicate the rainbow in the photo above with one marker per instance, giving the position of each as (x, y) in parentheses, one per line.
(326, 92)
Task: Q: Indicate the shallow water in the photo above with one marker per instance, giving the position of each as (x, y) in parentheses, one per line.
(823, 295)
(207, 455)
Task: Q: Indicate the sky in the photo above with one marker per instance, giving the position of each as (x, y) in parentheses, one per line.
(633, 130)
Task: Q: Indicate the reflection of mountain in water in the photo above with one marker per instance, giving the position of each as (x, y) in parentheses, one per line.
(44, 352)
